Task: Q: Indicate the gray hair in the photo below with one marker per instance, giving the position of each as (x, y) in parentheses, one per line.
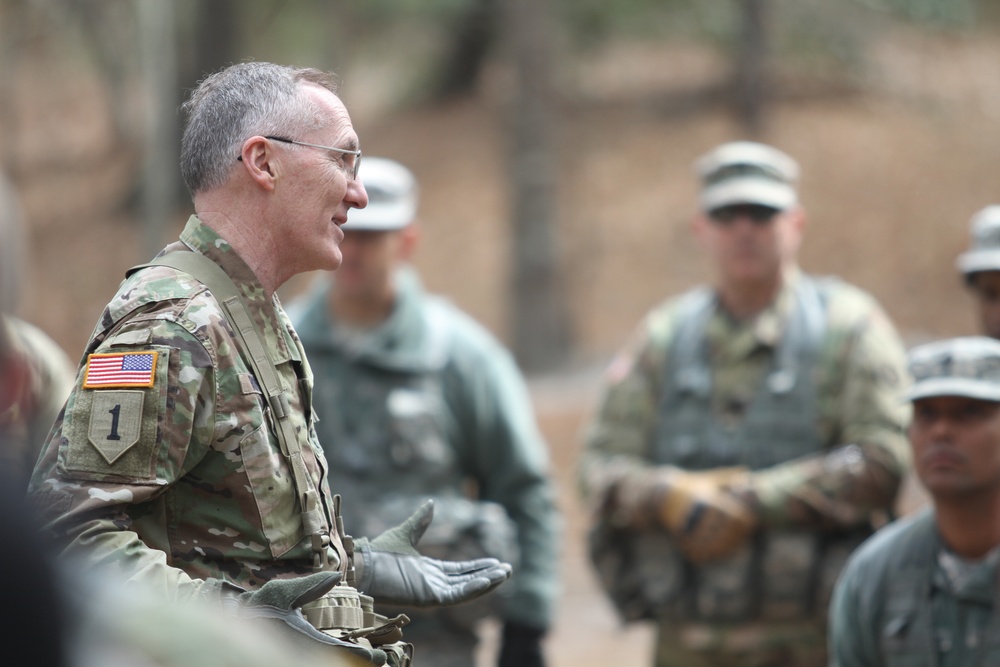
(238, 102)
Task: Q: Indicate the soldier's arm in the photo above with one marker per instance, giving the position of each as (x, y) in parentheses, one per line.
(852, 629)
(616, 441)
(512, 464)
(860, 475)
(116, 450)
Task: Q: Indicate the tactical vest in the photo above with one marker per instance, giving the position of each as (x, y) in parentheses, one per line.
(781, 575)
(920, 626)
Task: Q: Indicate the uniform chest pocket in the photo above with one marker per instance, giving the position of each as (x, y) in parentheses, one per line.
(906, 642)
(273, 488)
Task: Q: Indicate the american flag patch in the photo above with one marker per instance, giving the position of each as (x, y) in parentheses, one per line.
(124, 369)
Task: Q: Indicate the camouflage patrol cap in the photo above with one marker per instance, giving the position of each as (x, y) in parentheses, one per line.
(968, 366)
(984, 250)
(746, 172)
(392, 197)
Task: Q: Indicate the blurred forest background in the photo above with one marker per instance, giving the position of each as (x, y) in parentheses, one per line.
(553, 140)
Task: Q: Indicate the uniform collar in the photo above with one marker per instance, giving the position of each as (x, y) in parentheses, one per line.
(266, 313)
(763, 330)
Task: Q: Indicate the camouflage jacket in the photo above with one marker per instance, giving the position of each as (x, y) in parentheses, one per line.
(165, 465)
(895, 603)
(35, 378)
(859, 374)
(427, 404)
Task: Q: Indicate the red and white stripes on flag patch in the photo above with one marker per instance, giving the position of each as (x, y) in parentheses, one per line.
(122, 369)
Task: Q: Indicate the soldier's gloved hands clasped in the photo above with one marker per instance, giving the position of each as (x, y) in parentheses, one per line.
(391, 570)
(699, 509)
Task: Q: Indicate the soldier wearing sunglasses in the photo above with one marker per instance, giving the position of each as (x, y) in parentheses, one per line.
(748, 437)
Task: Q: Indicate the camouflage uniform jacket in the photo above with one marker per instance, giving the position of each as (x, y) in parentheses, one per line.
(422, 405)
(896, 605)
(36, 376)
(181, 480)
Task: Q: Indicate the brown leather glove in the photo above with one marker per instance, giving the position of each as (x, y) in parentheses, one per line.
(707, 520)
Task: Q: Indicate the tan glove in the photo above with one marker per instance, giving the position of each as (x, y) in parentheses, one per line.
(707, 520)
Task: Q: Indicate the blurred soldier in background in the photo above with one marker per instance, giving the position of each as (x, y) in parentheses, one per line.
(926, 590)
(185, 460)
(748, 438)
(414, 400)
(980, 266)
(35, 374)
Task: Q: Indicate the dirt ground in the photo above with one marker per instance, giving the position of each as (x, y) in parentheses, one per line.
(890, 179)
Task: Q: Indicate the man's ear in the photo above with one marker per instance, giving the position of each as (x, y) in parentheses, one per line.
(260, 161)
(410, 236)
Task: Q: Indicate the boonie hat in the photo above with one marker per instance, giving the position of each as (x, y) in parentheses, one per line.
(392, 197)
(968, 366)
(746, 172)
(984, 249)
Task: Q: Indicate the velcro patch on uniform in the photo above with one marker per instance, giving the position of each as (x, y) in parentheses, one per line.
(120, 369)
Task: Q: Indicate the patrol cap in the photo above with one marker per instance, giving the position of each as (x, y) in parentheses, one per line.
(746, 172)
(392, 197)
(984, 250)
(968, 366)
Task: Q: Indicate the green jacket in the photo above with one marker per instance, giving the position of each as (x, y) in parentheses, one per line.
(894, 605)
(425, 405)
(171, 475)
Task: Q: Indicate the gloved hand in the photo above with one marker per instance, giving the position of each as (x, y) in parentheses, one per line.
(391, 570)
(698, 508)
(521, 646)
(280, 599)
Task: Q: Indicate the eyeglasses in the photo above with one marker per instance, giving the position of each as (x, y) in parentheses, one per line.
(350, 168)
(759, 215)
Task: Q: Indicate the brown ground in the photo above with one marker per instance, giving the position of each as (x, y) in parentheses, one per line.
(890, 179)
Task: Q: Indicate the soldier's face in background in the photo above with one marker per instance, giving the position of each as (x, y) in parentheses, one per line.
(985, 288)
(749, 243)
(956, 445)
(369, 260)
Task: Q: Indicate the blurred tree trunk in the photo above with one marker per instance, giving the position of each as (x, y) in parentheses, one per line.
(750, 80)
(160, 173)
(542, 334)
(474, 32)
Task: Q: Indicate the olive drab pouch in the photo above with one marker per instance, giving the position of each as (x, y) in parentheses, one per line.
(349, 615)
(642, 572)
(111, 422)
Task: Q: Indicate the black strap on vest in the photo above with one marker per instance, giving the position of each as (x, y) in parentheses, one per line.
(255, 354)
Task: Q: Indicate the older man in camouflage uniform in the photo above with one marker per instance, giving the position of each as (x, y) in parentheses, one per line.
(748, 437)
(926, 589)
(186, 458)
(980, 268)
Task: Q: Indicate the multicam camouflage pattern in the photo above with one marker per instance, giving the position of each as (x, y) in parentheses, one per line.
(194, 487)
(905, 599)
(422, 406)
(859, 377)
(35, 378)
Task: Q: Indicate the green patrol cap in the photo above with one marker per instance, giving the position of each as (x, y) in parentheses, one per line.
(984, 251)
(968, 366)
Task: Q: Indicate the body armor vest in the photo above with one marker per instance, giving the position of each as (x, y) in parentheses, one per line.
(780, 423)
